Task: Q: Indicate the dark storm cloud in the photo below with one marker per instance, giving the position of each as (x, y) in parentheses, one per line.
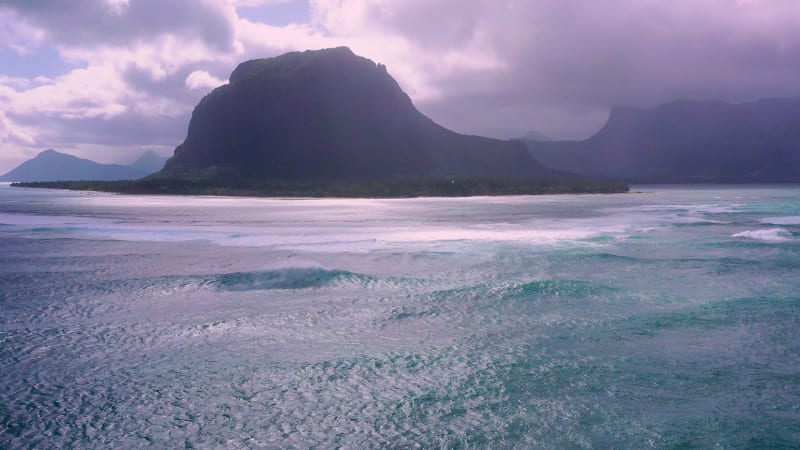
(87, 23)
(579, 56)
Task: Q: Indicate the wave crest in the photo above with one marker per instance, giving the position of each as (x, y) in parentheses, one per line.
(770, 235)
(289, 278)
(787, 220)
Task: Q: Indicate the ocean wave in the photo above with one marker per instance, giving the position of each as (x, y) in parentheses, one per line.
(770, 235)
(287, 278)
(604, 256)
(698, 223)
(787, 220)
(557, 288)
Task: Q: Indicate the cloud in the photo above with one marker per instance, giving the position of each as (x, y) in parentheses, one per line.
(255, 3)
(200, 79)
(474, 65)
(10, 131)
(90, 23)
(539, 62)
(133, 61)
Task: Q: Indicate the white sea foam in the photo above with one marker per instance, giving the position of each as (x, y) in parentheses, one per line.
(787, 220)
(701, 208)
(368, 323)
(323, 230)
(770, 235)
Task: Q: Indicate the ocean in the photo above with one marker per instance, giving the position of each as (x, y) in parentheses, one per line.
(668, 317)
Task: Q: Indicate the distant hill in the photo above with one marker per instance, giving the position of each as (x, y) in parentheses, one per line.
(149, 162)
(688, 141)
(329, 115)
(51, 165)
(533, 135)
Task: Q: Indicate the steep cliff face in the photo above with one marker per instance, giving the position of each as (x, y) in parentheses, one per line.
(329, 114)
(687, 141)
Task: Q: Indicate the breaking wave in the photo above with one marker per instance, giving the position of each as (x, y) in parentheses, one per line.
(289, 278)
(769, 235)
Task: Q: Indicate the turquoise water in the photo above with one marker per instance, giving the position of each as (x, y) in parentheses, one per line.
(668, 318)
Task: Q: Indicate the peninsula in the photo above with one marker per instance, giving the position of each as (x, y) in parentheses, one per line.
(331, 123)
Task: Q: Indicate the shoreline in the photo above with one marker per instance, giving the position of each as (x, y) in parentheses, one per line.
(372, 189)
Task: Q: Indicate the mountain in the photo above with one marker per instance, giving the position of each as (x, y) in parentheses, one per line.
(149, 162)
(328, 123)
(329, 115)
(533, 135)
(688, 141)
(51, 165)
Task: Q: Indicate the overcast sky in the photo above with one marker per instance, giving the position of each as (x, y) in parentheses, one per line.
(108, 79)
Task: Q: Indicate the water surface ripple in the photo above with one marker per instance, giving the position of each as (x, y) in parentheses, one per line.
(663, 319)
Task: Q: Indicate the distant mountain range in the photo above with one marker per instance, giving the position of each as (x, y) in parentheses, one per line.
(688, 141)
(51, 165)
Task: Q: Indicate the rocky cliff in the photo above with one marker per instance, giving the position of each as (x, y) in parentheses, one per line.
(329, 115)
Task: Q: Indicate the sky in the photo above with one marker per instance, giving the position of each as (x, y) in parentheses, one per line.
(109, 79)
